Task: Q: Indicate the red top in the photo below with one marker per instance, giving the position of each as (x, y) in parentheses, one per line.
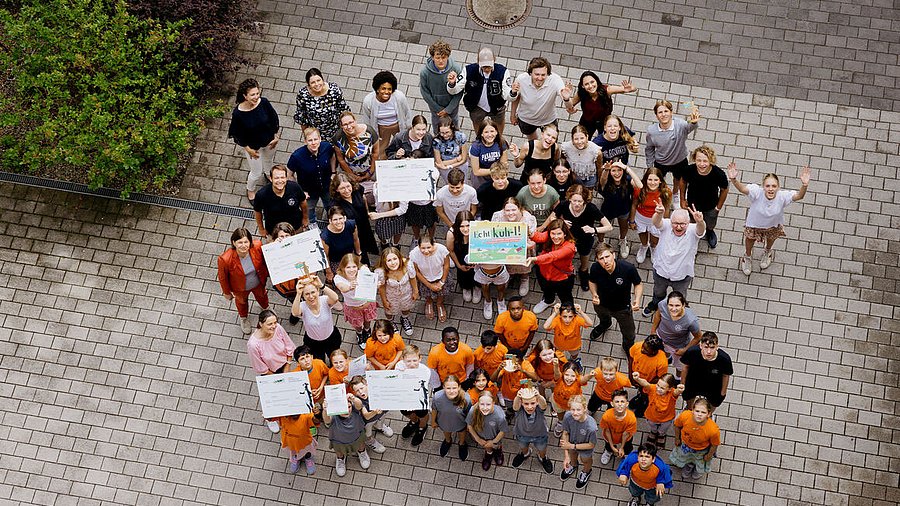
(556, 263)
(231, 273)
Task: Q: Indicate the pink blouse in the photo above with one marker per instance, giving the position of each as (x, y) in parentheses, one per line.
(269, 354)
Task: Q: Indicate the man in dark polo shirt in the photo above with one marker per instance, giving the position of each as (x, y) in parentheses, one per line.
(280, 200)
(611, 282)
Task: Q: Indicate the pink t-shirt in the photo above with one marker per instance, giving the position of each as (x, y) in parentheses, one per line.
(269, 354)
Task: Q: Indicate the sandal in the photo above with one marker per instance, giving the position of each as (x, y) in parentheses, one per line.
(442, 313)
(429, 311)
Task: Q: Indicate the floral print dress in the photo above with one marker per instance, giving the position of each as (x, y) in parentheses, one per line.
(321, 112)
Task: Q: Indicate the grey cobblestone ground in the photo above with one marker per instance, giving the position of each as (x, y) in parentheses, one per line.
(124, 376)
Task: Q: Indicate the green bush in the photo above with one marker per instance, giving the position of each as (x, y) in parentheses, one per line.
(96, 94)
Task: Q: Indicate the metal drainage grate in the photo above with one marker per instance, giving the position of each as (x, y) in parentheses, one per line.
(143, 198)
(498, 14)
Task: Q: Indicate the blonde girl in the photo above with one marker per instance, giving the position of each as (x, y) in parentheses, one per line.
(397, 286)
(357, 312)
(449, 408)
(487, 425)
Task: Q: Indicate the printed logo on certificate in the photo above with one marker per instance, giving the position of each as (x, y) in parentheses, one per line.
(285, 394)
(405, 180)
(295, 256)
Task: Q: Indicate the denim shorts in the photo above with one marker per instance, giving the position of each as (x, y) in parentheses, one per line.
(539, 442)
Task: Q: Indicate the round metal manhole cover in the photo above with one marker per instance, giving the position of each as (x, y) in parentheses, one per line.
(498, 14)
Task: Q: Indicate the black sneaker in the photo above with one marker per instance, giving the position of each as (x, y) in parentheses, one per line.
(418, 437)
(408, 430)
(547, 464)
(598, 332)
(445, 447)
(583, 280)
(519, 459)
(712, 239)
(407, 325)
(583, 478)
(463, 452)
(567, 473)
(647, 312)
(361, 338)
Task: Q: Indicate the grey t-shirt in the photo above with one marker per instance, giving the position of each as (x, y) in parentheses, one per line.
(346, 430)
(676, 334)
(532, 425)
(580, 432)
(494, 423)
(251, 278)
(450, 418)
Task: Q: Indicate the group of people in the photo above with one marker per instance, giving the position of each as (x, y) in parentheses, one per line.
(554, 198)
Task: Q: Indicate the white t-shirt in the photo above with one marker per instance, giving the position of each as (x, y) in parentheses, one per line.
(349, 296)
(387, 111)
(453, 204)
(432, 266)
(673, 257)
(765, 213)
(318, 327)
(537, 106)
(582, 161)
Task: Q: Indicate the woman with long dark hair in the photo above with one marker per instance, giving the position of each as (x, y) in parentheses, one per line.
(595, 99)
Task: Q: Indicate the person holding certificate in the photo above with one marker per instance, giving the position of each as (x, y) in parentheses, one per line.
(270, 350)
(314, 308)
(359, 311)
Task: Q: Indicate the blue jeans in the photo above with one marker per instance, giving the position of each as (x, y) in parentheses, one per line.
(435, 119)
(311, 203)
(650, 496)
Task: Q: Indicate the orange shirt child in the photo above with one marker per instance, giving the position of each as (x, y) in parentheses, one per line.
(474, 393)
(644, 479)
(617, 428)
(516, 333)
(545, 370)
(604, 390)
(510, 383)
(384, 353)
(567, 337)
(650, 368)
(562, 392)
(318, 376)
(697, 437)
(446, 364)
(490, 361)
(336, 377)
(296, 431)
(661, 408)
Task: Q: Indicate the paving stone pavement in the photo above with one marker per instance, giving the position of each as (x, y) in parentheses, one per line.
(124, 374)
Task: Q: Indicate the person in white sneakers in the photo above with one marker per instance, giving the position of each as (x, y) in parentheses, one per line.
(673, 261)
(458, 245)
(765, 218)
(347, 433)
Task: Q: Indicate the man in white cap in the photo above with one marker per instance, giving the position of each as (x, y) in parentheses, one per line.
(486, 87)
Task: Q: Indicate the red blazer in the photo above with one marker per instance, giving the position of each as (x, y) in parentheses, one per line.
(231, 274)
(555, 263)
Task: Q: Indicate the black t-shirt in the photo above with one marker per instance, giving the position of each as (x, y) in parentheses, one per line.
(491, 199)
(276, 209)
(704, 377)
(703, 191)
(614, 288)
(590, 216)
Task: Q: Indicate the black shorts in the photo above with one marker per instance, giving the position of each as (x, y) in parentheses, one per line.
(677, 170)
(528, 128)
(595, 403)
(584, 245)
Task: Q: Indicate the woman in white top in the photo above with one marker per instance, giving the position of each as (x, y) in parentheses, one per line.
(584, 157)
(314, 308)
(432, 264)
(765, 218)
(386, 108)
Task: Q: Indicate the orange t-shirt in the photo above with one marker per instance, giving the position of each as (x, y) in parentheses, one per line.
(516, 333)
(618, 427)
(697, 437)
(490, 362)
(644, 479)
(661, 408)
(648, 206)
(295, 433)
(509, 381)
(562, 392)
(317, 374)
(544, 370)
(336, 378)
(446, 364)
(605, 390)
(567, 337)
(474, 394)
(650, 368)
(384, 353)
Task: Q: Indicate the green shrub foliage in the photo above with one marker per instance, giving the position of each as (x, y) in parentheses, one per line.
(96, 92)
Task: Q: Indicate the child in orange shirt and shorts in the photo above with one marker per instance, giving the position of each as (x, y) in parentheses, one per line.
(566, 322)
(696, 439)
(660, 412)
(297, 437)
(516, 327)
(618, 426)
(383, 349)
(607, 379)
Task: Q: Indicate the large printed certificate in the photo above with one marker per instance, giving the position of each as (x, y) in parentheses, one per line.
(405, 180)
(394, 390)
(493, 242)
(366, 285)
(285, 394)
(295, 256)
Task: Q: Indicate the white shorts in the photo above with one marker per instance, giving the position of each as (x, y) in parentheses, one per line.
(645, 224)
(499, 279)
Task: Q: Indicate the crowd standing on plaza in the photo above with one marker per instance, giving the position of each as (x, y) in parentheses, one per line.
(516, 385)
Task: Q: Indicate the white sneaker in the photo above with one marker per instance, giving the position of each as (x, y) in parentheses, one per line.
(501, 306)
(364, 459)
(624, 249)
(386, 430)
(375, 445)
(523, 285)
(540, 307)
(605, 457)
(273, 426)
(246, 326)
(488, 310)
(746, 265)
(641, 254)
(340, 466)
(467, 295)
(767, 258)
(476, 295)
